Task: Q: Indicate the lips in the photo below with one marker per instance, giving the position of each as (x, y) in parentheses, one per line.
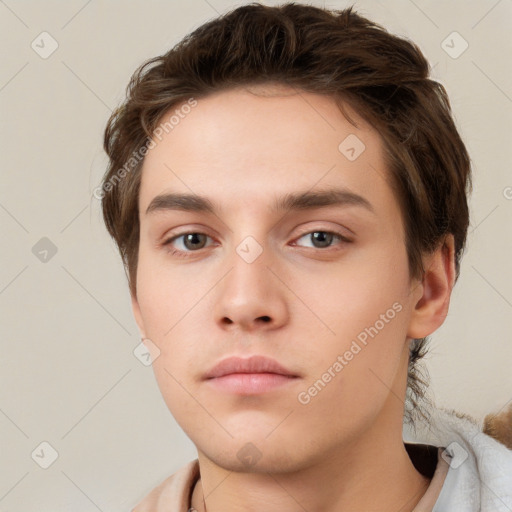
(251, 365)
(255, 375)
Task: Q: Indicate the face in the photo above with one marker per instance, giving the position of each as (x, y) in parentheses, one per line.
(262, 260)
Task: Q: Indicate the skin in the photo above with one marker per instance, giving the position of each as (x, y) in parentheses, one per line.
(243, 148)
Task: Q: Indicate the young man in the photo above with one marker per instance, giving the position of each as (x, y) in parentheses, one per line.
(287, 190)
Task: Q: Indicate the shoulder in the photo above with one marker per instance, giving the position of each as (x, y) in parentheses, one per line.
(479, 475)
(173, 494)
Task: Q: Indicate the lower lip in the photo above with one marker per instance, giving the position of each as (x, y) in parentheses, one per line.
(250, 383)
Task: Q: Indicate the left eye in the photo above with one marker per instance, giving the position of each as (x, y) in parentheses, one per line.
(322, 239)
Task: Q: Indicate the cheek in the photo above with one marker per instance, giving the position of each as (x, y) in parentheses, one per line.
(166, 295)
(174, 325)
(362, 315)
(170, 306)
(350, 375)
(348, 297)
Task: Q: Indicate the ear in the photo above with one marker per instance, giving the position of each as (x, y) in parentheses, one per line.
(434, 291)
(138, 316)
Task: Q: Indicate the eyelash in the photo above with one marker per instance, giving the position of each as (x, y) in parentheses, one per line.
(186, 254)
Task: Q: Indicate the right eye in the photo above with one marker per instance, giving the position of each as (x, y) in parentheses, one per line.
(186, 242)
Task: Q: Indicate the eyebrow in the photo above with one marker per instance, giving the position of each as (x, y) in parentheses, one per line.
(289, 202)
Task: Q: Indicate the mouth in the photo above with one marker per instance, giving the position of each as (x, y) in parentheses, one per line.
(249, 376)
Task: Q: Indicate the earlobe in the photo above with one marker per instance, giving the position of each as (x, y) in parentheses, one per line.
(431, 309)
(138, 316)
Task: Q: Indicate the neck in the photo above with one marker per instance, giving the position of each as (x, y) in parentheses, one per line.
(373, 473)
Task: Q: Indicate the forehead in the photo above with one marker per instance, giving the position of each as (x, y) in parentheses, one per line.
(251, 144)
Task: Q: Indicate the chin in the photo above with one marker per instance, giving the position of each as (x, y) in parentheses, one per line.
(249, 457)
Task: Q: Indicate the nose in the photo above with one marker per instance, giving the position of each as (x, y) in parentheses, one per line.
(250, 297)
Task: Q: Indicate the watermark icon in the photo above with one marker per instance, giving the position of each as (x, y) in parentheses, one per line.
(304, 397)
(44, 250)
(351, 147)
(249, 249)
(454, 454)
(454, 45)
(507, 193)
(138, 155)
(249, 454)
(44, 45)
(44, 455)
(146, 352)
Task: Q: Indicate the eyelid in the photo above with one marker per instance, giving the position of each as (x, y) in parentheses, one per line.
(166, 240)
(346, 237)
(341, 239)
(178, 231)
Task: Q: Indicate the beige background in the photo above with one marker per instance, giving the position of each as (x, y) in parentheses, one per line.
(68, 373)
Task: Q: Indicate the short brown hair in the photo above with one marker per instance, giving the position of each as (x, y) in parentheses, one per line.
(339, 53)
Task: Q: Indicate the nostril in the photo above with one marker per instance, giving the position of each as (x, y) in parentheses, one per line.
(266, 319)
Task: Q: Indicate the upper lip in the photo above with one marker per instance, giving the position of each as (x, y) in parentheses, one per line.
(253, 364)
